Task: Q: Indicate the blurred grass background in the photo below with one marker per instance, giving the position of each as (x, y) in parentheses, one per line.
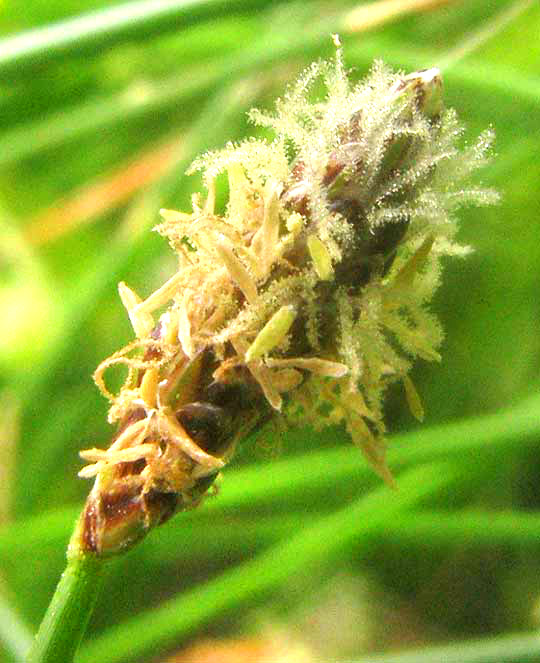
(103, 105)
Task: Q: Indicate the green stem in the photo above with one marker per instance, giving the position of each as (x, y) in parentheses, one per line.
(66, 619)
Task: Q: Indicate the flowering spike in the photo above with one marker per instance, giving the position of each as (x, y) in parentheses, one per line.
(328, 254)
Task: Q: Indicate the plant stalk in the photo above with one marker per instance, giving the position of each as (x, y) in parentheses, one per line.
(68, 614)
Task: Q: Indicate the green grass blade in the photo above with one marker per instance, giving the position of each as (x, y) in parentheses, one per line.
(102, 114)
(514, 648)
(124, 108)
(96, 31)
(489, 528)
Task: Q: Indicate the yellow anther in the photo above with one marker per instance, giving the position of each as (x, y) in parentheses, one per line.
(149, 385)
(321, 257)
(270, 226)
(273, 332)
(322, 367)
(295, 223)
(141, 321)
(239, 274)
(171, 329)
(414, 264)
(413, 399)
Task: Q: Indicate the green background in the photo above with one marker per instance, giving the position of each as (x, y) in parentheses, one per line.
(302, 543)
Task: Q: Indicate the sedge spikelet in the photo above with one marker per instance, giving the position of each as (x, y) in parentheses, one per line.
(308, 296)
